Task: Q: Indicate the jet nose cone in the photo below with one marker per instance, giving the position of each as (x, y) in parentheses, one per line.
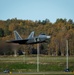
(48, 37)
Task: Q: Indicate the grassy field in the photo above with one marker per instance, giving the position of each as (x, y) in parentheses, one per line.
(28, 64)
(50, 73)
(37, 74)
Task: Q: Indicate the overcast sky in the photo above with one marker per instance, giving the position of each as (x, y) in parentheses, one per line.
(37, 9)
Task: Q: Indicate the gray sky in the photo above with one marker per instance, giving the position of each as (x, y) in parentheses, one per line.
(37, 9)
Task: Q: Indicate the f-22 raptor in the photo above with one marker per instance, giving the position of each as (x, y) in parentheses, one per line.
(30, 40)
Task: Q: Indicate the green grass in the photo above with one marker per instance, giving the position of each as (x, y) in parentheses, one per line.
(32, 67)
(28, 63)
(38, 74)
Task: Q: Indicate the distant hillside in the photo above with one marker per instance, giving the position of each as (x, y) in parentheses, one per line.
(60, 31)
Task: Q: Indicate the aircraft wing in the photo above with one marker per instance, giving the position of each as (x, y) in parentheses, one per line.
(17, 41)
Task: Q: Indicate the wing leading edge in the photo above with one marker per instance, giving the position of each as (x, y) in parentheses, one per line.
(17, 41)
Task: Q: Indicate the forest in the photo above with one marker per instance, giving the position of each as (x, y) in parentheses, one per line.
(60, 31)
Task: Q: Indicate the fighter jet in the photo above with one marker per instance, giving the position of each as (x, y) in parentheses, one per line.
(30, 40)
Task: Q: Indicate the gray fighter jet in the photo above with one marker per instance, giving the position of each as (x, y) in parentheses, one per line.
(30, 40)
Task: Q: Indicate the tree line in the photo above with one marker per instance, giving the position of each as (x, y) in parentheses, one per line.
(60, 31)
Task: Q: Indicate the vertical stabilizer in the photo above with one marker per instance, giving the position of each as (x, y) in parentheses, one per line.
(17, 36)
(31, 35)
